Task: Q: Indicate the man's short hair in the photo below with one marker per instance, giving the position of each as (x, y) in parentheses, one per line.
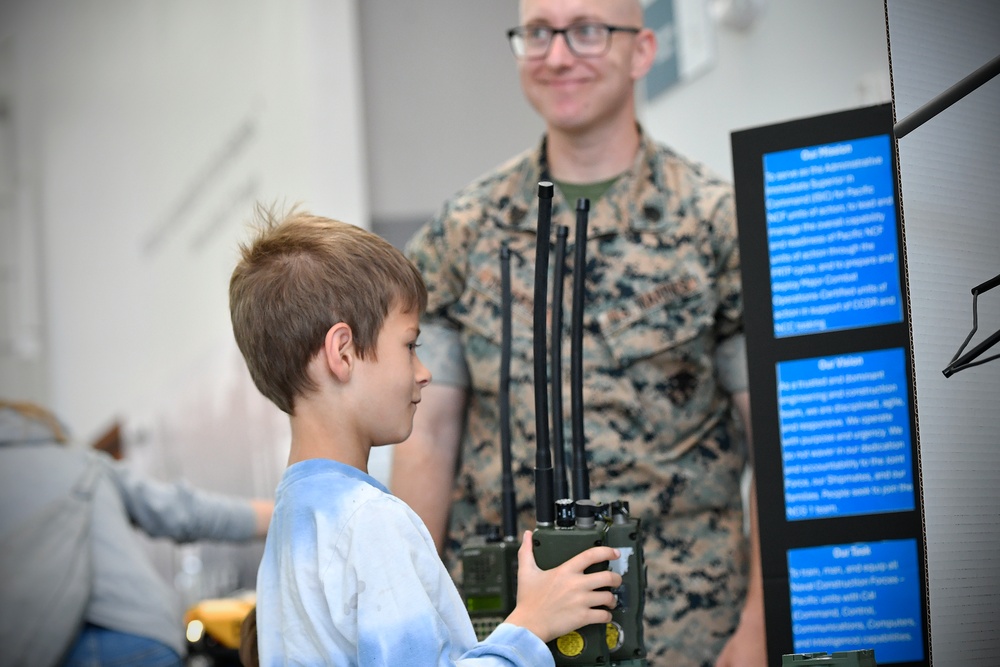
(300, 275)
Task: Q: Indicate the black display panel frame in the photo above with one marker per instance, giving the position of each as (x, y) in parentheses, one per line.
(765, 352)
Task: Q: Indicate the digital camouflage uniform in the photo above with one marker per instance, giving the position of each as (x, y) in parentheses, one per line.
(662, 294)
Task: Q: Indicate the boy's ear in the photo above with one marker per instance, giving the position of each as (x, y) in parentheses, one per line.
(339, 349)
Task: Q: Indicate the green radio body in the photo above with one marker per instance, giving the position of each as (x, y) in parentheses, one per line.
(620, 642)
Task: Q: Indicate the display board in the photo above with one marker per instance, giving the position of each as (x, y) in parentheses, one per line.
(831, 387)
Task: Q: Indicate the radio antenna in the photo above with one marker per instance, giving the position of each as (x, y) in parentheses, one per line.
(581, 479)
(561, 487)
(507, 499)
(544, 503)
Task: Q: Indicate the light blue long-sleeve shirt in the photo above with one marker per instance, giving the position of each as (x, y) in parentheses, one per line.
(350, 576)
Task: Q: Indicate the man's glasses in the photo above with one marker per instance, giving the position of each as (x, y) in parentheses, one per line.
(585, 40)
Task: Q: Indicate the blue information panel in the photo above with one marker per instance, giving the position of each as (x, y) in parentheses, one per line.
(831, 236)
(853, 596)
(844, 426)
(830, 371)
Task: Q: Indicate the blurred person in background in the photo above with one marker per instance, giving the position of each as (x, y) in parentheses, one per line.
(665, 386)
(77, 586)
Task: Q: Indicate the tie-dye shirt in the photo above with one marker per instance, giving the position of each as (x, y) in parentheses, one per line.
(350, 576)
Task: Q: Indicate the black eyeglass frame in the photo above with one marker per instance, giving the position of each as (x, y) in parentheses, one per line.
(519, 31)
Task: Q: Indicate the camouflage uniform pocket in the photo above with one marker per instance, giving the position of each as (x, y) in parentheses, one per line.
(648, 324)
(664, 369)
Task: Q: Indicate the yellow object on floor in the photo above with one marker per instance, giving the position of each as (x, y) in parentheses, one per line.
(218, 620)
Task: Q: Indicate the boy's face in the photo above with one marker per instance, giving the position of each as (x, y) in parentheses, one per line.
(391, 382)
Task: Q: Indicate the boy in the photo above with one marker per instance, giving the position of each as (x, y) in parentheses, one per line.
(327, 317)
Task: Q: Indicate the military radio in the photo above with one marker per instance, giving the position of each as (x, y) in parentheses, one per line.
(566, 527)
(489, 562)
(858, 658)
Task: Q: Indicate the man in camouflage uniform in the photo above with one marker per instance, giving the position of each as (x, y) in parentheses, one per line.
(663, 354)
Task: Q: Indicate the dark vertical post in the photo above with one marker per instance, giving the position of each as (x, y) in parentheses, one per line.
(581, 479)
(558, 448)
(508, 501)
(544, 502)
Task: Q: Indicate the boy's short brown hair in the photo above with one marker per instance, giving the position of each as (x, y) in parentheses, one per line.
(299, 276)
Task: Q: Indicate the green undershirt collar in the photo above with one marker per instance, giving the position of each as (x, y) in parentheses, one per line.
(592, 191)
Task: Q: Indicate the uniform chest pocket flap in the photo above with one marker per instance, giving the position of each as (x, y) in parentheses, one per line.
(662, 320)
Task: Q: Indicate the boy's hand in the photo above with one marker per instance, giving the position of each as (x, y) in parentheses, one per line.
(551, 603)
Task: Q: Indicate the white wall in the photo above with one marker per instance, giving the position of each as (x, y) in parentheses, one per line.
(798, 58)
(442, 99)
(146, 132)
(949, 175)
